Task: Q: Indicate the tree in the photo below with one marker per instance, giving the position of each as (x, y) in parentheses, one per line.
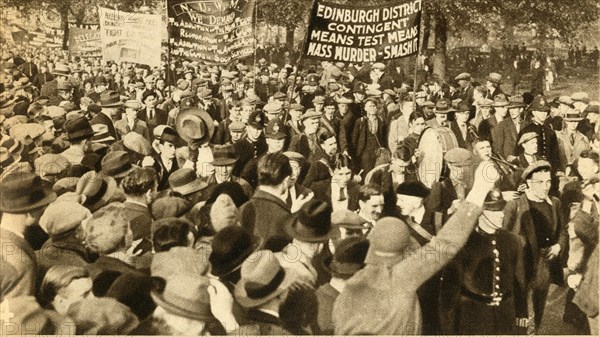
(290, 14)
(77, 10)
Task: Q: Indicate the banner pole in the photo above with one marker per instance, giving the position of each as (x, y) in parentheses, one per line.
(168, 70)
(419, 46)
(255, 39)
(290, 93)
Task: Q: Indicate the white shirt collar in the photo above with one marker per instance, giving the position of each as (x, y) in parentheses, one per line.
(270, 312)
(418, 214)
(337, 284)
(534, 199)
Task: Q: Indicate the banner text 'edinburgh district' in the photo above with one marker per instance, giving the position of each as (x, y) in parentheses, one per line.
(344, 33)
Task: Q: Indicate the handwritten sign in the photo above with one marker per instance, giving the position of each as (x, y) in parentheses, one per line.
(344, 33)
(84, 42)
(212, 31)
(130, 37)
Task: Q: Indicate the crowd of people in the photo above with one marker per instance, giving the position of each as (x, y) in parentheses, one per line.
(260, 199)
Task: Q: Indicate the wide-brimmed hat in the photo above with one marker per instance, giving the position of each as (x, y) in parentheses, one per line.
(97, 188)
(312, 223)
(195, 125)
(349, 257)
(443, 107)
(230, 247)
(79, 128)
(516, 101)
(109, 99)
(540, 104)
(61, 69)
(21, 192)
(117, 164)
(500, 101)
(573, 116)
(184, 296)
(184, 181)
(262, 279)
(224, 155)
(495, 78)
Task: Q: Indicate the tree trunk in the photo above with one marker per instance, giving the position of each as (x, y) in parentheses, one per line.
(64, 22)
(440, 26)
(425, 30)
(289, 38)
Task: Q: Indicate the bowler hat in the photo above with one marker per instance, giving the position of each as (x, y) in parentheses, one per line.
(195, 125)
(312, 223)
(494, 201)
(117, 164)
(230, 247)
(184, 296)
(21, 192)
(262, 279)
(224, 155)
(184, 181)
(413, 188)
(349, 257)
(109, 99)
(79, 128)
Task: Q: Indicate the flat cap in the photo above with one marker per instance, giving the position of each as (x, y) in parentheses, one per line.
(527, 137)
(319, 100)
(56, 221)
(297, 107)
(458, 157)
(379, 66)
(463, 76)
(310, 113)
(564, 99)
(347, 219)
(535, 167)
(581, 97)
(237, 126)
(295, 156)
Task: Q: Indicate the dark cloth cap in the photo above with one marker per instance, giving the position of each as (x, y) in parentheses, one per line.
(535, 167)
(413, 188)
(540, 103)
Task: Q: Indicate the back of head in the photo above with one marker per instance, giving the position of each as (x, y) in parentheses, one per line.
(273, 168)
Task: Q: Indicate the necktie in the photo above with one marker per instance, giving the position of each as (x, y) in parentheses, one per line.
(342, 194)
(572, 139)
(151, 114)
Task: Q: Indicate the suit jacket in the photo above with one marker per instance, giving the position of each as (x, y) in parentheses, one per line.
(160, 117)
(102, 118)
(504, 137)
(317, 171)
(264, 214)
(323, 192)
(572, 151)
(486, 127)
(359, 134)
(463, 142)
(139, 126)
(346, 127)
(61, 252)
(247, 150)
(19, 267)
(517, 219)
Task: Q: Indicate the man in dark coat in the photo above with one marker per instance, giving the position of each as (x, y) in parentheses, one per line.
(253, 144)
(110, 103)
(504, 136)
(536, 218)
(150, 114)
(22, 201)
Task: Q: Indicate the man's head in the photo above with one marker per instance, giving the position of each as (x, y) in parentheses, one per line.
(416, 122)
(64, 285)
(149, 99)
(139, 182)
(166, 143)
(410, 195)
(587, 164)
(370, 201)
(342, 173)
(274, 170)
(483, 149)
(327, 141)
(310, 120)
(371, 107)
(539, 179)
(492, 215)
(540, 109)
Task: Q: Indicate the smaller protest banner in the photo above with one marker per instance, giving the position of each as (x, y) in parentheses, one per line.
(84, 42)
(130, 37)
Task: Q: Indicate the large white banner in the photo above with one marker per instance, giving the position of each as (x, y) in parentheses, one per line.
(130, 37)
